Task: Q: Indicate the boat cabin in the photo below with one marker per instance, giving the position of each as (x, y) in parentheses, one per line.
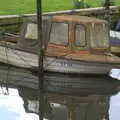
(68, 32)
(73, 45)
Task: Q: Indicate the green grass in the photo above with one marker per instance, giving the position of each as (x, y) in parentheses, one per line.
(29, 6)
(17, 6)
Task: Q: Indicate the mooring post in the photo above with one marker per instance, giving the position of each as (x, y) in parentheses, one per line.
(107, 6)
(40, 61)
(108, 18)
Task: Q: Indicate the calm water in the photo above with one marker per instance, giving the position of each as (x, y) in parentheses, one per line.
(23, 104)
(98, 97)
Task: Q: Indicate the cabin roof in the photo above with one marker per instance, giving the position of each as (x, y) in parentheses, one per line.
(76, 18)
(69, 18)
(34, 19)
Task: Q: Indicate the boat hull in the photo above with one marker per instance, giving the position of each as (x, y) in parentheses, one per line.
(53, 64)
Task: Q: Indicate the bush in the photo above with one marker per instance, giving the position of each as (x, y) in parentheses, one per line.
(111, 3)
(78, 4)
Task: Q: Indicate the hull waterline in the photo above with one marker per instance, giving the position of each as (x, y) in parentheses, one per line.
(54, 64)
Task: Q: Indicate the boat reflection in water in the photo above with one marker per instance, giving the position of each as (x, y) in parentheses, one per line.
(95, 106)
(58, 83)
(83, 97)
(66, 107)
(90, 104)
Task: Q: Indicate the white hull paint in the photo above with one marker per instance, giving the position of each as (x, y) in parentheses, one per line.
(53, 64)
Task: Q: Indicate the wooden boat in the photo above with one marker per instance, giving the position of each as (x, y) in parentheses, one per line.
(115, 42)
(73, 45)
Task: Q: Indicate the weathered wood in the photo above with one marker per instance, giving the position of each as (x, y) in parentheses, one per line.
(83, 65)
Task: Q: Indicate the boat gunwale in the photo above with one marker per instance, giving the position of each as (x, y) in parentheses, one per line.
(60, 57)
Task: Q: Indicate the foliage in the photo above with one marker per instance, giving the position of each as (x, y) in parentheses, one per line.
(104, 3)
(78, 4)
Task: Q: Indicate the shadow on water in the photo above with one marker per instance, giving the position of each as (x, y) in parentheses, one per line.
(66, 97)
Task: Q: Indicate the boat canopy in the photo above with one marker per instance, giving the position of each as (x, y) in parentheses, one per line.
(78, 32)
(29, 38)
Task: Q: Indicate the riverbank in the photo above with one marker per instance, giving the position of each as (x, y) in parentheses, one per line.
(29, 6)
(11, 23)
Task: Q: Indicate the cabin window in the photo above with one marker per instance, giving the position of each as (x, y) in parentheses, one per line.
(100, 36)
(31, 32)
(80, 35)
(59, 34)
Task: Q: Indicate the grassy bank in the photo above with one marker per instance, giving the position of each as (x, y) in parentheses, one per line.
(28, 6)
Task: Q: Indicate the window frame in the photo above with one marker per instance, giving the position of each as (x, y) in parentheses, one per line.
(75, 35)
(100, 47)
(67, 34)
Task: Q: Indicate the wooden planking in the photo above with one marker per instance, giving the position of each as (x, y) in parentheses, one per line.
(18, 58)
(53, 64)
